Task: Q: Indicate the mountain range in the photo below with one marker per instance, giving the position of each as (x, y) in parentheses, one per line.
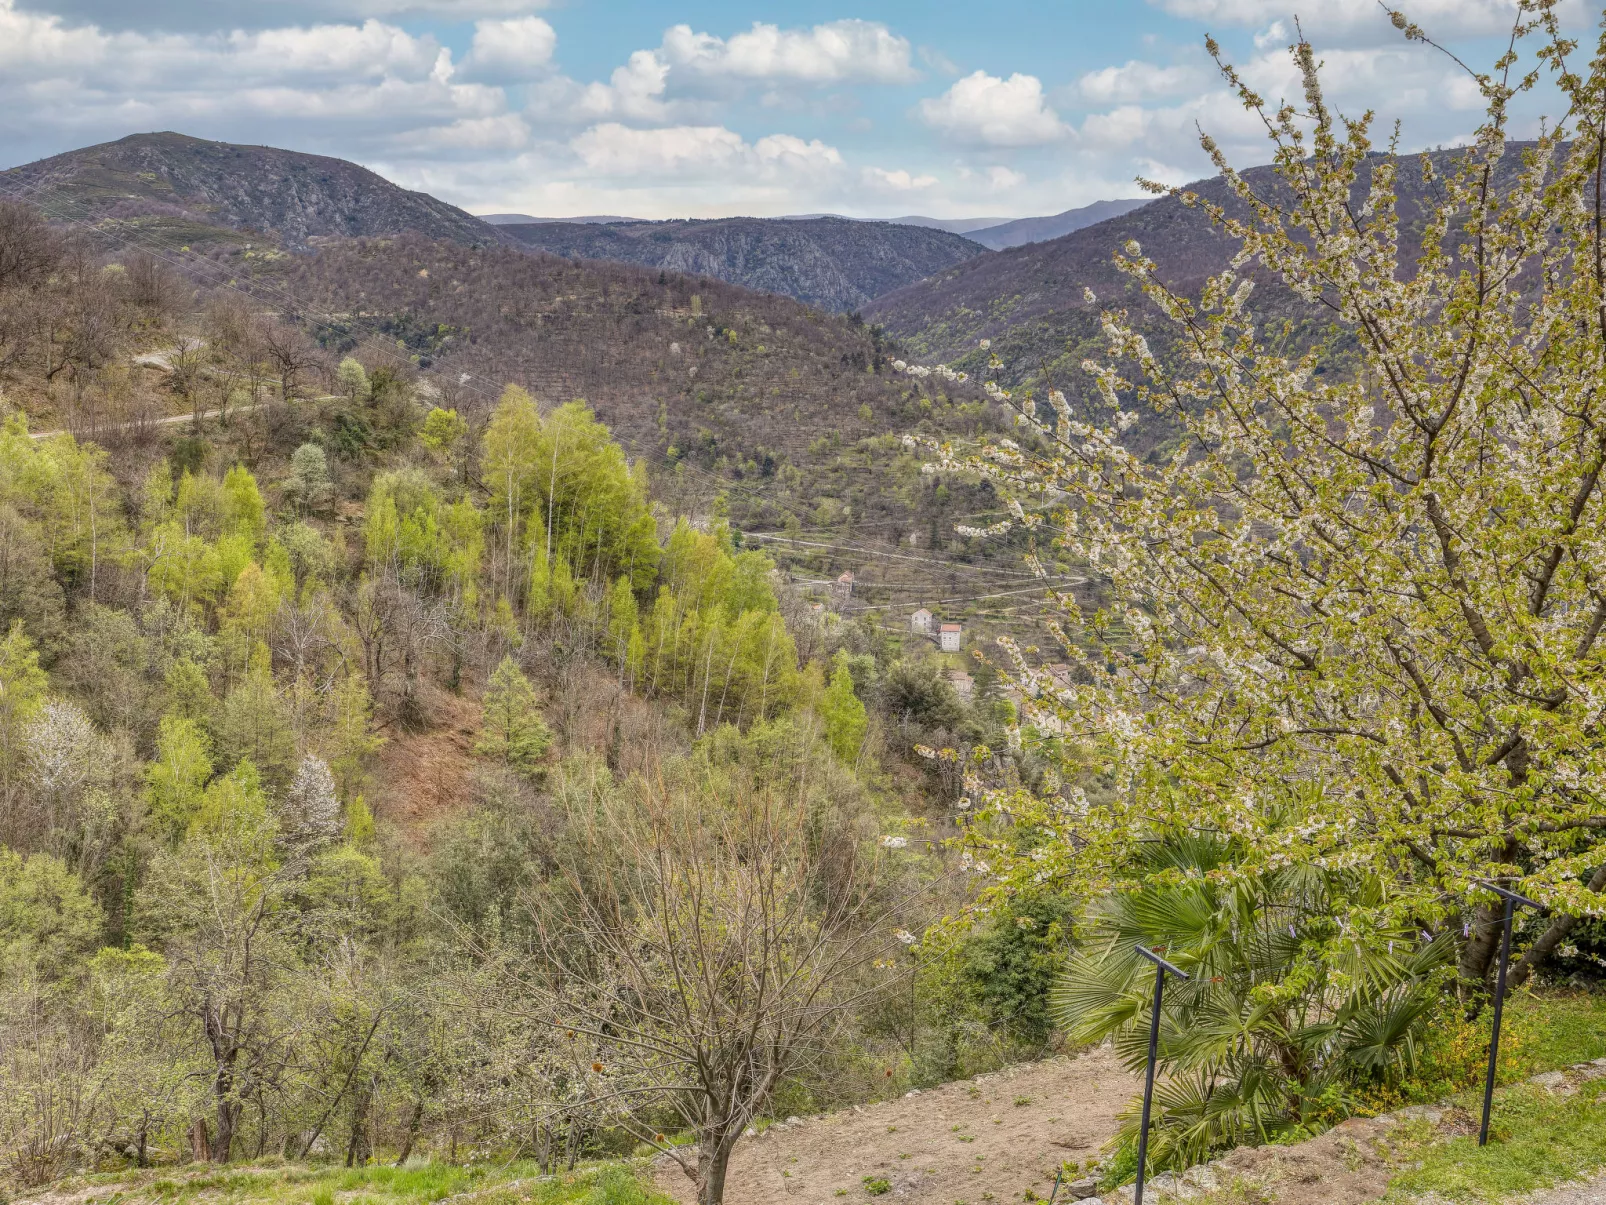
(994, 233)
(832, 263)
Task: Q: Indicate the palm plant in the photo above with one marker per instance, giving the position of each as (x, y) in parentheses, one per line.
(1287, 1011)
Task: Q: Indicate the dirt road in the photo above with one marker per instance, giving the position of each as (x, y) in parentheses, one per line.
(987, 1139)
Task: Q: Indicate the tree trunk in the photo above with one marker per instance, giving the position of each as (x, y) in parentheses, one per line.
(200, 1143)
(1552, 937)
(412, 1131)
(359, 1149)
(1477, 956)
(228, 1116)
(712, 1161)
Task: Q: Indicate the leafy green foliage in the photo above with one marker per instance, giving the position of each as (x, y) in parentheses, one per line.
(1287, 1008)
(843, 713)
(513, 731)
(1013, 963)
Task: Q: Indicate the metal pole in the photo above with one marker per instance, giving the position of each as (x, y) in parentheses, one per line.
(1512, 900)
(1161, 966)
(1494, 1034)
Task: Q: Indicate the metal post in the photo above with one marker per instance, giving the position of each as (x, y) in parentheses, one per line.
(1161, 966)
(1512, 900)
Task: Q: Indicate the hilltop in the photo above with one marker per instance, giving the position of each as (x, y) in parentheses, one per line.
(834, 263)
(179, 189)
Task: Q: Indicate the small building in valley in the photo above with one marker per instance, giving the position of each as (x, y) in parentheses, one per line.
(920, 623)
(949, 637)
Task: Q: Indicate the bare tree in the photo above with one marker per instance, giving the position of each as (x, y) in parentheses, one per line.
(28, 247)
(717, 941)
(290, 352)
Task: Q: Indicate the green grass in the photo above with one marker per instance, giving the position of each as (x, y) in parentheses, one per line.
(1562, 1028)
(294, 1184)
(1538, 1140)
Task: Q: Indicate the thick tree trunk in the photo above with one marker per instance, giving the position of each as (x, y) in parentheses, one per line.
(1477, 956)
(713, 1159)
(228, 1117)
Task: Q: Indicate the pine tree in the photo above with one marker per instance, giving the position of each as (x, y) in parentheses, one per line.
(513, 731)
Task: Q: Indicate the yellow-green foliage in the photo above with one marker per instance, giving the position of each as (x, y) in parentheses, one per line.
(713, 636)
(411, 532)
(563, 471)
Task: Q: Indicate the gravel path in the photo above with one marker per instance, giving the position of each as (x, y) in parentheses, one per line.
(1581, 1192)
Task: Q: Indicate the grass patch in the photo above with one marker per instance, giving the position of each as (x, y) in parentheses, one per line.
(1538, 1140)
(516, 1183)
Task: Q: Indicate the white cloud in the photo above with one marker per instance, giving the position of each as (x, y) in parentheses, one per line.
(779, 153)
(356, 90)
(1365, 19)
(513, 49)
(1002, 178)
(882, 180)
(636, 90)
(1137, 80)
(982, 108)
(617, 150)
(838, 52)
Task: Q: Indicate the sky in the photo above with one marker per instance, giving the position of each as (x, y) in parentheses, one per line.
(708, 108)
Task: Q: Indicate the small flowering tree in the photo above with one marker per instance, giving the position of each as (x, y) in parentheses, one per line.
(1361, 603)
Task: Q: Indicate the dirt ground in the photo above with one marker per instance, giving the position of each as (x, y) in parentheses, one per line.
(1585, 1192)
(991, 1138)
(421, 777)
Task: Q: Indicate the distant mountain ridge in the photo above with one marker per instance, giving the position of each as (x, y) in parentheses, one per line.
(1037, 230)
(995, 233)
(183, 181)
(835, 263)
(1028, 301)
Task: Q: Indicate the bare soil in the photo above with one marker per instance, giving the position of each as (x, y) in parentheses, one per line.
(421, 777)
(991, 1138)
(1348, 1165)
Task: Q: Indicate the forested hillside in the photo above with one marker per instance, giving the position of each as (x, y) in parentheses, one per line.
(834, 263)
(357, 738)
(794, 416)
(1029, 302)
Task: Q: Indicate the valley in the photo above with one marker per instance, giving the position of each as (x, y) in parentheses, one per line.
(606, 711)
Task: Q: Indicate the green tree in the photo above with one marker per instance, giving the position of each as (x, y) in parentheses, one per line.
(309, 486)
(254, 725)
(513, 730)
(177, 777)
(1359, 597)
(352, 380)
(244, 513)
(48, 921)
(219, 909)
(443, 431)
(22, 693)
(843, 713)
